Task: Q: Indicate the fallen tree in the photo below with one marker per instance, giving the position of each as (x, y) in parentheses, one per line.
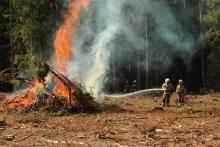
(84, 100)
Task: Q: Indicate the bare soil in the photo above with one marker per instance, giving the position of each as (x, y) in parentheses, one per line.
(139, 121)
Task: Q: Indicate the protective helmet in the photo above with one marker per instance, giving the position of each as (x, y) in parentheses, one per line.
(167, 80)
(180, 81)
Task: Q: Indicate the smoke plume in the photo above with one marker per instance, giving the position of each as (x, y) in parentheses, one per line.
(110, 29)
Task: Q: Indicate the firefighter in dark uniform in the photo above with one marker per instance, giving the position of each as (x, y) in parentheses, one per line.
(134, 86)
(126, 87)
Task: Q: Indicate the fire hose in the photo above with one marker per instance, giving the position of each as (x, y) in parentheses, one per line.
(145, 92)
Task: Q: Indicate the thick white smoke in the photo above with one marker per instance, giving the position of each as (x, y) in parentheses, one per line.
(101, 52)
(101, 49)
(112, 28)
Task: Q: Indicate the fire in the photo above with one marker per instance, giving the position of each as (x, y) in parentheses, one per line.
(25, 97)
(21, 100)
(61, 90)
(63, 43)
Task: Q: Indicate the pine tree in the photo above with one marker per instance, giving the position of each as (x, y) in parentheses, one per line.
(212, 28)
(33, 28)
(4, 34)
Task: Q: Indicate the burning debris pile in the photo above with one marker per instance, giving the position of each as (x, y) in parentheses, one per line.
(65, 94)
(55, 90)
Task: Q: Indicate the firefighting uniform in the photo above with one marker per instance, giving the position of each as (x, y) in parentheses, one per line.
(168, 89)
(181, 91)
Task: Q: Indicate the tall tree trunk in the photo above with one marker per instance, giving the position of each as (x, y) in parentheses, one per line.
(146, 44)
(201, 47)
(11, 25)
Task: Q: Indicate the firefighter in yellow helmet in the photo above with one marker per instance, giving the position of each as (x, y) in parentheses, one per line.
(181, 92)
(168, 90)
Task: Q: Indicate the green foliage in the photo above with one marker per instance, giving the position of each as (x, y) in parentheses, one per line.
(30, 25)
(41, 69)
(213, 68)
(98, 118)
(212, 26)
(4, 34)
(34, 22)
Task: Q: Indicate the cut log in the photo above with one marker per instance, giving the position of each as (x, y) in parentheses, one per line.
(83, 99)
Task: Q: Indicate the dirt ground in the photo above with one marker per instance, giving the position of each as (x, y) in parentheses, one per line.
(126, 122)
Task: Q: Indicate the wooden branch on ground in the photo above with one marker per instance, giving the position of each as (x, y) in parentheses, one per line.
(23, 138)
(65, 81)
(78, 89)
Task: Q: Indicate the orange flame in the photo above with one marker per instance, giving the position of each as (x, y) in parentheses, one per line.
(63, 50)
(63, 43)
(24, 98)
(61, 89)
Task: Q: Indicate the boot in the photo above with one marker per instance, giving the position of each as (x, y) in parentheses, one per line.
(163, 104)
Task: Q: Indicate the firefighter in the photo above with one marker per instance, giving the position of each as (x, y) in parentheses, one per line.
(168, 90)
(181, 92)
(134, 86)
(126, 87)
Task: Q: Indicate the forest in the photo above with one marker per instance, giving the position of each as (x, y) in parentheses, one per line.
(103, 73)
(28, 29)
